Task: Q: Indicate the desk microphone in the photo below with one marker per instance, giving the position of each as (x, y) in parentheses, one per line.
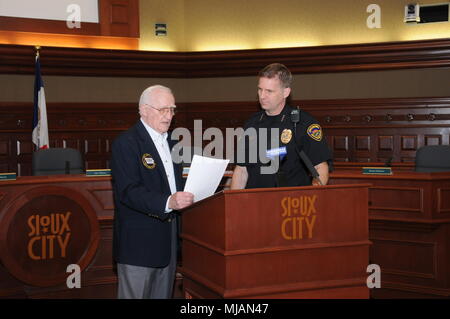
(295, 118)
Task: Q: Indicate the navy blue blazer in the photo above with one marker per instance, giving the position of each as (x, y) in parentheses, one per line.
(142, 230)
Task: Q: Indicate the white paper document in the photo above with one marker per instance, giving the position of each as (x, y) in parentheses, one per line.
(204, 176)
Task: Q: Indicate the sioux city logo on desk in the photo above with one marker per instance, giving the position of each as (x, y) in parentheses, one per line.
(298, 217)
(49, 235)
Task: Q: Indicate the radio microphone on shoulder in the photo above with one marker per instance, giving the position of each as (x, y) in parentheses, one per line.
(295, 118)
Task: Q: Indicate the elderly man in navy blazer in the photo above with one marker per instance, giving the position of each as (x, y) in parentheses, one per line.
(147, 188)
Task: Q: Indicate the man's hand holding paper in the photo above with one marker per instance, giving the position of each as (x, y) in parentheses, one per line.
(204, 176)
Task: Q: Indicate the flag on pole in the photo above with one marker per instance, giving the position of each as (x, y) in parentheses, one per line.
(40, 127)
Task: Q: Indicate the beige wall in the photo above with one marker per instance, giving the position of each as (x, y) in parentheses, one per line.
(19, 88)
(246, 24)
(203, 25)
(376, 84)
(170, 12)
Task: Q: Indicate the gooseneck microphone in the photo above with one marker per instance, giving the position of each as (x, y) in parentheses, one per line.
(295, 118)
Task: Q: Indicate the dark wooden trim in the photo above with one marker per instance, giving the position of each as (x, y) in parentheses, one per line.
(320, 59)
(111, 26)
(15, 59)
(379, 112)
(47, 26)
(331, 113)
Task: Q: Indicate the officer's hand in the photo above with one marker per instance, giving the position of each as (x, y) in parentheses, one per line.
(180, 200)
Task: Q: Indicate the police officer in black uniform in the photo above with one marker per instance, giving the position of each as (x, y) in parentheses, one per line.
(286, 144)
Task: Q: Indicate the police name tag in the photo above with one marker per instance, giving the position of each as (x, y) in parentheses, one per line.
(274, 152)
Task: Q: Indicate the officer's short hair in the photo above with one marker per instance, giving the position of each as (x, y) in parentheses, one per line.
(277, 70)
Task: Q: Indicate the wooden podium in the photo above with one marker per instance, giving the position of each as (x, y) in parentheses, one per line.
(293, 242)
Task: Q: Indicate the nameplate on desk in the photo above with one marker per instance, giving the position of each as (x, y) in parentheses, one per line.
(8, 176)
(98, 172)
(377, 170)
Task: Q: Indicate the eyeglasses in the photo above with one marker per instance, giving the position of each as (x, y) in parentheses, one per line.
(165, 110)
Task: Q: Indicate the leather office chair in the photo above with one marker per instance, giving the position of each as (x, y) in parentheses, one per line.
(57, 161)
(433, 158)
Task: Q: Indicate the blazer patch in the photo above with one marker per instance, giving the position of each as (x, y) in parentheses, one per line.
(148, 161)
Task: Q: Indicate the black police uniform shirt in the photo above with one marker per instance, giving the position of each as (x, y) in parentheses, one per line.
(310, 139)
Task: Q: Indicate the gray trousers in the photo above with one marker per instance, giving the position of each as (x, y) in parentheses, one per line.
(137, 282)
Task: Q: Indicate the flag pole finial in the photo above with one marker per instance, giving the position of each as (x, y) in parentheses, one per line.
(37, 47)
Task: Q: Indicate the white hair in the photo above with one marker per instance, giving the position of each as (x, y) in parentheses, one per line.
(147, 94)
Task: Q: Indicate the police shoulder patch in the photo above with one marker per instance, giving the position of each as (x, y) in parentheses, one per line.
(315, 132)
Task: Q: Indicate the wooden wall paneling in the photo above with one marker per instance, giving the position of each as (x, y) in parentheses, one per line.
(80, 126)
(432, 139)
(340, 58)
(85, 127)
(443, 203)
(16, 59)
(393, 144)
(386, 143)
(408, 147)
(92, 145)
(409, 232)
(340, 147)
(358, 131)
(397, 127)
(5, 153)
(409, 258)
(413, 259)
(98, 150)
(388, 199)
(47, 26)
(23, 152)
(118, 18)
(10, 287)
